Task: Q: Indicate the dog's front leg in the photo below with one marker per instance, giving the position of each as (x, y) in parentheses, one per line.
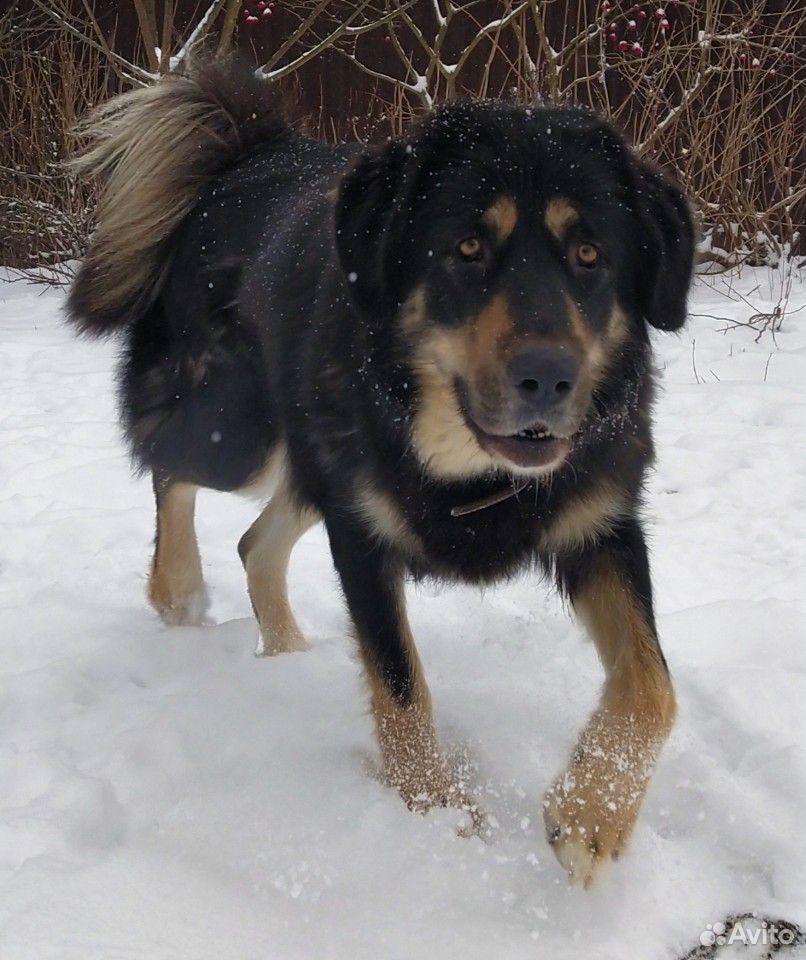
(372, 580)
(591, 809)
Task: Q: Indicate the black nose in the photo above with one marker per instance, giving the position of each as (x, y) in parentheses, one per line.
(543, 377)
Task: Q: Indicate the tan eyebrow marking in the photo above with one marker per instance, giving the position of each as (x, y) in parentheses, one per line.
(560, 215)
(501, 217)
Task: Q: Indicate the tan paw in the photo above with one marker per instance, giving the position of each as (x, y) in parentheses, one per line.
(591, 809)
(177, 609)
(585, 829)
(439, 787)
(425, 783)
(270, 643)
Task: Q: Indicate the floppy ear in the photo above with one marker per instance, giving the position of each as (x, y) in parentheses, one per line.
(666, 239)
(368, 201)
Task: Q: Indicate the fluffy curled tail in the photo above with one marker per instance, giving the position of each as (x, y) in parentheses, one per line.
(153, 150)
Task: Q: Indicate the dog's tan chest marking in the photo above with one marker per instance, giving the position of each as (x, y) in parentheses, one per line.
(385, 519)
(584, 518)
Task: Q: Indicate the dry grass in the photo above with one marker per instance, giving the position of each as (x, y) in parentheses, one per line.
(714, 91)
(50, 79)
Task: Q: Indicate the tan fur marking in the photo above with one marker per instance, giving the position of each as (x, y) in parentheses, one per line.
(492, 325)
(264, 481)
(591, 809)
(603, 349)
(442, 439)
(501, 217)
(265, 550)
(175, 586)
(560, 215)
(413, 762)
(411, 318)
(617, 327)
(584, 519)
(598, 350)
(636, 677)
(444, 443)
(385, 518)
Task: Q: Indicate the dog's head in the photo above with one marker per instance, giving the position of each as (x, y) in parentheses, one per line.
(507, 255)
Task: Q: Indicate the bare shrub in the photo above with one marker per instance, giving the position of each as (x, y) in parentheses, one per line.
(51, 79)
(712, 89)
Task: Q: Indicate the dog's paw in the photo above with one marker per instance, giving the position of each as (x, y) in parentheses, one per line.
(586, 826)
(270, 643)
(444, 790)
(591, 809)
(189, 610)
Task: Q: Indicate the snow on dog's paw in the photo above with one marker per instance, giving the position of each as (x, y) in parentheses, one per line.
(589, 816)
(478, 823)
(463, 769)
(270, 644)
(188, 611)
(450, 791)
(591, 809)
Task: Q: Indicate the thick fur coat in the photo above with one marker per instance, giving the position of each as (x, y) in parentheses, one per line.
(438, 346)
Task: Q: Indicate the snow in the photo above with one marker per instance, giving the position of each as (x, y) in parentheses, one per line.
(168, 795)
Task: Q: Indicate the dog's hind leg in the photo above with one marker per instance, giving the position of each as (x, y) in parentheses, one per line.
(265, 550)
(176, 587)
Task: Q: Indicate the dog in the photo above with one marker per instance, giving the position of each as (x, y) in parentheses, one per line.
(438, 346)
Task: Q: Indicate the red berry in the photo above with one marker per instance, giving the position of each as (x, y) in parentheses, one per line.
(261, 5)
(631, 24)
(664, 24)
(637, 48)
(660, 13)
(613, 38)
(642, 14)
(756, 63)
(387, 39)
(251, 20)
(623, 45)
(266, 13)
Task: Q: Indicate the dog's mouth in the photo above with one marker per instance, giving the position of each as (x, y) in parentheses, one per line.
(532, 446)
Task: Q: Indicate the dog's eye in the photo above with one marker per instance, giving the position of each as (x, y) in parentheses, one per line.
(470, 248)
(587, 255)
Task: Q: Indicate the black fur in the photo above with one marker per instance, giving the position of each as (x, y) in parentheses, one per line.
(279, 321)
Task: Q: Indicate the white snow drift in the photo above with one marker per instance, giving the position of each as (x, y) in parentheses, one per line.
(166, 795)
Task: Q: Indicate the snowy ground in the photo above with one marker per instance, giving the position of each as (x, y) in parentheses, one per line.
(167, 796)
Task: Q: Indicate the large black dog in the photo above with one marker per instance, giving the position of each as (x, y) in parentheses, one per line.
(437, 346)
